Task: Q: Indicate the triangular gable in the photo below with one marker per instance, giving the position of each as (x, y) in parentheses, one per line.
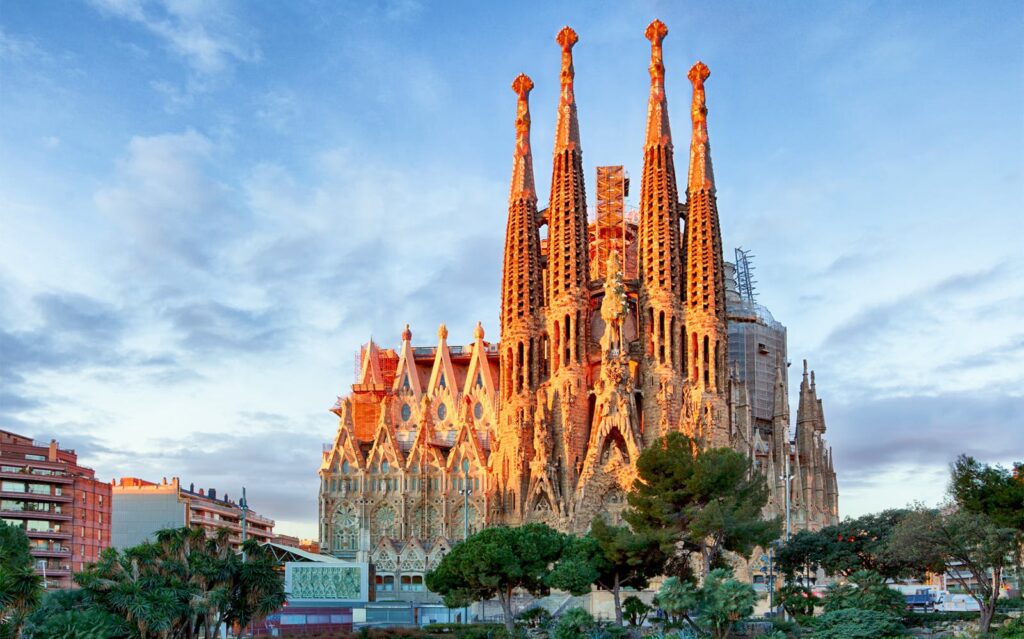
(407, 378)
(369, 370)
(442, 376)
(385, 442)
(438, 549)
(466, 440)
(385, 555)
(345, 444)
(413, 557)
(423, 446)
(479, 377)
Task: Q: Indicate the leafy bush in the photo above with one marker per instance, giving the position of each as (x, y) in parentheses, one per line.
(72, 614)
(575, 623)
(852, 623)
(865, 591)
(1013, 629)
(463, 631)
(798, 600)
(635, 610)
(787, 627)
(1010, 603)
(534, 617)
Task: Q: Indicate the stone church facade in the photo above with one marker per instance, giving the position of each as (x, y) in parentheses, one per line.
(546, 424)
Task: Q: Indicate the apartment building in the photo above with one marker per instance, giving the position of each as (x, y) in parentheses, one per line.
(140, 508)
(63, 509)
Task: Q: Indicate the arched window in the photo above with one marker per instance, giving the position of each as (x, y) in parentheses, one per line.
(385, 523)
(406, 412)
(346, 528)
(344, 467)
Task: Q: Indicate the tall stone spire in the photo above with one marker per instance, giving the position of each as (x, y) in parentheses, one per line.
(521, 309)
(660, 257)
(568, 275)
(704, 276)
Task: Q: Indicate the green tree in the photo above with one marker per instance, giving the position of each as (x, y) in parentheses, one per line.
(20, 587)
(611, 557)
(844, 548)
(989, 490)
(797, 600)
(967, 542)
(865, 590)
(635, 610)
(183, 584)
(495, 562)
(73, 614)
(699, 501)
(720, 601)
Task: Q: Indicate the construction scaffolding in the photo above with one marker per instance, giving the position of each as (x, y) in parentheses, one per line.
(745, 282)
(613, 229)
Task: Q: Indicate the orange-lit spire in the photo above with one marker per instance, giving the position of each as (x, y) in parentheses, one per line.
(522, 159)
(660, 252)
(701, 176)
(567, 212)
(658, 131)
(567, 131)
(522, 293)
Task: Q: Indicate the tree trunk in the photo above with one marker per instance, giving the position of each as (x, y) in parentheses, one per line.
(618, 602)
(988, 604)
(506, 607)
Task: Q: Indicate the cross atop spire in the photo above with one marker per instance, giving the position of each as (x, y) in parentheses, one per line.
(522, 159)
(567, 131)
(701, 177)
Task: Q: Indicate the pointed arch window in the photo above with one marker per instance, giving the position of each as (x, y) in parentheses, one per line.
(344, 467)
(405, 382)
(441, 382)
(478, 410)
(479, 380)
(346, 528)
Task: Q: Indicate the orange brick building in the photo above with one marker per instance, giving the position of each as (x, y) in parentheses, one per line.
(61, 506)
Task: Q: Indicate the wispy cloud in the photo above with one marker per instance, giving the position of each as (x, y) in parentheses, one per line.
(205, 35)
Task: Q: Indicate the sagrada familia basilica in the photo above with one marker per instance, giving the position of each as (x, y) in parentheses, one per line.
(606, 345)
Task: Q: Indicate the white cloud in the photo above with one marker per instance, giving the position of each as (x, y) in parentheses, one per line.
(208, 37)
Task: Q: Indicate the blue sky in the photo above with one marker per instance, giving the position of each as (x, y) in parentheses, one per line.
(206, 207)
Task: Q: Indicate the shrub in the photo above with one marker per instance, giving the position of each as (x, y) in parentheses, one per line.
(575, 623)
(534, 617)
(1013, 629)
(852, 623)
(787, 627)
(865, 591)
(798, 600)
(635, 610)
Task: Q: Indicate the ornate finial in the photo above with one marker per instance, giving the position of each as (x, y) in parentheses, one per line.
(656, 32)
(522, 159)
(805, 369)
(698, 74)
(442, 331)
(701, 177)
(406, 334)
(567, 133)
(478, 332)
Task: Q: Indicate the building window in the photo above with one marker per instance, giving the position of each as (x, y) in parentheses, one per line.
(412, 583)
(478, 410)
(385, 583)
(344, 467)
(406, 412)
(35, 457)
(346, 528)
(442, 410)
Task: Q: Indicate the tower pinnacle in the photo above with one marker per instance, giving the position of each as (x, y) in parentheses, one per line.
(567, 131)
(522, 160)
(658, 131)
(701, 176)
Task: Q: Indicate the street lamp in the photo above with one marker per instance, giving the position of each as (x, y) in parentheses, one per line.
(244, 505)
(787, 478)
(465, 492)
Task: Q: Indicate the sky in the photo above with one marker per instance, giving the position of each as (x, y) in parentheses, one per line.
(205, 207)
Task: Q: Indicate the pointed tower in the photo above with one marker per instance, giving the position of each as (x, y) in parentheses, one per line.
(660, 259)
(521, 314)
(568, 295)
(704, 278)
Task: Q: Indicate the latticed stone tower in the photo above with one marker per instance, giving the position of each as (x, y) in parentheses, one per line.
(661, 271)
(704, 299)
(522, 299)
(568, 294)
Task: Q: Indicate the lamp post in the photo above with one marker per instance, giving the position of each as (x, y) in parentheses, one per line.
(466, 492)
(787, 478)
(244, 505)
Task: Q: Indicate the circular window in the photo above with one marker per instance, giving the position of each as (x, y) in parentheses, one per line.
(384, 466)
(344, 466)
(406, 412)
(442, 410)
(478, 410)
